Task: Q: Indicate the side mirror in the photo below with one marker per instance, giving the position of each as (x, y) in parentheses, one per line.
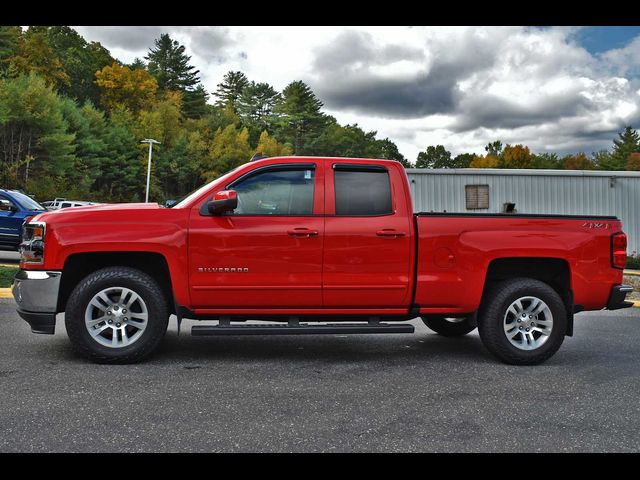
(223, 201)
(170, 203)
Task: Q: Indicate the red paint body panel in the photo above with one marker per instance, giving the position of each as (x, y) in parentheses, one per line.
(361, 268)
(346, 266)
(455, 285)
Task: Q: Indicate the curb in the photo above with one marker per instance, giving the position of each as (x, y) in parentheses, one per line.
(633, 273)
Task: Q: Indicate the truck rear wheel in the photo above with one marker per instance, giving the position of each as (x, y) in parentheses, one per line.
(522, 321)
(450, 327)
(116, 315)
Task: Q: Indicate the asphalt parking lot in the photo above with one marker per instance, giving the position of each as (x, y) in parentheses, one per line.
(419, 392)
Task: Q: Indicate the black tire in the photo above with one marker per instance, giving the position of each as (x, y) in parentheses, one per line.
(492, 312)
(450, 327)
(142, 284)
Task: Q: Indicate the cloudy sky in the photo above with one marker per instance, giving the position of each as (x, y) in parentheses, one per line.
(562, 89)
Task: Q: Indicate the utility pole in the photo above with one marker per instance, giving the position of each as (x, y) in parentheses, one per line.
(150, 141)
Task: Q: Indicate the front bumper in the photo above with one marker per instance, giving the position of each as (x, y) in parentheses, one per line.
(617, 297)
(36, 293)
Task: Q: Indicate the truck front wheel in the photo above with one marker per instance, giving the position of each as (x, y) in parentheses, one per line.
(522, 321)
(116, 315)
(450, 327)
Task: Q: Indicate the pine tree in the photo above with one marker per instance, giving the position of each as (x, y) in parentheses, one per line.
(255, 103)
(169, 65)
(628, 142)
(230, 89)
(434, 157)
(299, 115)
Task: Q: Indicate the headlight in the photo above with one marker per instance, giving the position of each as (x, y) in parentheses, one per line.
(32, 246)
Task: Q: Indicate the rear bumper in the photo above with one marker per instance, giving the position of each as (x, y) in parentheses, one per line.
(617, 297)
(40, 322)
(36, 293)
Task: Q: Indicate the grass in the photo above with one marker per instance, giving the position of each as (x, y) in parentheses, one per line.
(6, 276)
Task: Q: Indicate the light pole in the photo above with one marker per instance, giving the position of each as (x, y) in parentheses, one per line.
(150, 141)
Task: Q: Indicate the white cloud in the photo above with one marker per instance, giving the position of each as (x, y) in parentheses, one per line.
(457, 86)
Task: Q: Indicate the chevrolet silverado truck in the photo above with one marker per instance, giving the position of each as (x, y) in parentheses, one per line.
(309, 245)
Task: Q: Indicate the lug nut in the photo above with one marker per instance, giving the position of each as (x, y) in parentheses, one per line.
(530, 316)
(124, 310)
(519, 320)
(520, 328)
(109, 312)
(115, 308)
(118, 324)
(124, 319)
(110, 322)
(526, 329)
(533, 324)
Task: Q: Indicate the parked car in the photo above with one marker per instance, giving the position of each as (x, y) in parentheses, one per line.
(59, 203)
(303, 240)
(15, 206)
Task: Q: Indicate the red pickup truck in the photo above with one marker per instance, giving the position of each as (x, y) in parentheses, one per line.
(314, 245)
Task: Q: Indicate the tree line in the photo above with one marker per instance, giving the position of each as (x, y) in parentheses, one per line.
(624, 155)
(72, 117)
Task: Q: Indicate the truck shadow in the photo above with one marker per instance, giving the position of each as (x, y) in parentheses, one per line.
(331, 348)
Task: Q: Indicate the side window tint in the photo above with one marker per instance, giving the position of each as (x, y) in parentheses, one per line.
(276, 192)
(362, 192)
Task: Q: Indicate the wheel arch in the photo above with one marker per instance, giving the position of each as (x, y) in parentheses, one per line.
(553, 271)
(77, 266)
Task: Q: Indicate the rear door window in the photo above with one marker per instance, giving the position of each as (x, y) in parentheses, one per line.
(362, 191)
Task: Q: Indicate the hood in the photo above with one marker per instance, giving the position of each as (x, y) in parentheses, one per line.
(110, 210)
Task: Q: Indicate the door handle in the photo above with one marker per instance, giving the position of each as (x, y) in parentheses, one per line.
(302, 232)
(389, 232)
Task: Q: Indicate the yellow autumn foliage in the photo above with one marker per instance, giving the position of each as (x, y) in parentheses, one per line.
(481, 161)
(122, 87)
(270, 147)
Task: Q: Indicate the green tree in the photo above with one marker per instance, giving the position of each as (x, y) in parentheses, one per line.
(33, 134)
(434, 157)
(388, 150)
(91, 149)
(628, 142)
(194, 102)
(122, 174)
(546, 161)
(494, 149)
(462, 160)
(230, 89)
(80, 60)
(169, 65)
(299, 116)
(255, 104)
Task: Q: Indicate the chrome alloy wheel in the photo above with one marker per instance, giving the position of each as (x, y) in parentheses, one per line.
(116, 317)
(528, 323)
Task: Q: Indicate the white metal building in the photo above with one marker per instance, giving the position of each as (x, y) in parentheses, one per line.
(566, 192)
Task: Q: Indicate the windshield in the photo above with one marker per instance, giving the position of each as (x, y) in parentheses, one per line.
(196, 193)
(27, 202)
